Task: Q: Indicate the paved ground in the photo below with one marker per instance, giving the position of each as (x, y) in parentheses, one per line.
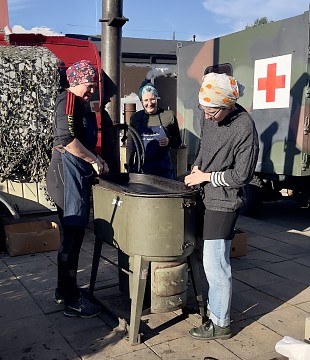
(271, 299)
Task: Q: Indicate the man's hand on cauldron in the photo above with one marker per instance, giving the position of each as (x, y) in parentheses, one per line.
(105, 168)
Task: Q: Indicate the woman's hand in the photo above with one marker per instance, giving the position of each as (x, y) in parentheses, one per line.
(164, 141)
(196, 177)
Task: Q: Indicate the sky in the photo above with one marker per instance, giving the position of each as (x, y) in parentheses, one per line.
(156, 19)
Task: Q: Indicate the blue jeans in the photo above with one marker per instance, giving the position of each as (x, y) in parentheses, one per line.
(216, 263)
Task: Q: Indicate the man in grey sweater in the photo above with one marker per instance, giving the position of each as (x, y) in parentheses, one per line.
(225, 164)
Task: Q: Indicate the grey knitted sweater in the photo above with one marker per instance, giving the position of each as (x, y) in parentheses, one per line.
(229, 151)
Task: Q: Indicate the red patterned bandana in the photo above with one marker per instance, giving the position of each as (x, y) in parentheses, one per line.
(81, 72)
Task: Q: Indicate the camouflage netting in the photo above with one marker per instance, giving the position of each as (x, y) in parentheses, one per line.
(29, 83)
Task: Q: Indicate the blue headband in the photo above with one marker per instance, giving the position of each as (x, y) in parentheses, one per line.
(147, 88)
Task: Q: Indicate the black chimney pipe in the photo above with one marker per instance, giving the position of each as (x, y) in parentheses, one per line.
(111, 36)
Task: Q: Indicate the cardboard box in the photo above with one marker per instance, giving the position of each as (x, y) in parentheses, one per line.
(239, 244)
(32, 237)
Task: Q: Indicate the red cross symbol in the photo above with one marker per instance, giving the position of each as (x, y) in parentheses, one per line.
(271, 82)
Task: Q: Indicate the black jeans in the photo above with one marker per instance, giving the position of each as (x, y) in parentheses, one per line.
(68, 258)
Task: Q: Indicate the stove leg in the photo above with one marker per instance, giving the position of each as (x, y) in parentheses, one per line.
(95, 264)
(193, 263)
(139, 277)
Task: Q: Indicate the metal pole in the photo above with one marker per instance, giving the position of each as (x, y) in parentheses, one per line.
(129, 109)
(111, 34)
(4, 17)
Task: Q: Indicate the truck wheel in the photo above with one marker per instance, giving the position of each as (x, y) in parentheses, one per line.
(301, 197)
(254, 195)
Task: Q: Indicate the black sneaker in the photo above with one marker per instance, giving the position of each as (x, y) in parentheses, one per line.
(82, 308)
(59, 298)
(210, 331)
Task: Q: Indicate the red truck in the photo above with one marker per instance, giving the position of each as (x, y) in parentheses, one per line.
(32, 73)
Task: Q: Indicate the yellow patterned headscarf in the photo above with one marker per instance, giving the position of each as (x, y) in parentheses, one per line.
(219, 90)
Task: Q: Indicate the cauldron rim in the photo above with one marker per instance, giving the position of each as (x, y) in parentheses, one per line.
(154, 186)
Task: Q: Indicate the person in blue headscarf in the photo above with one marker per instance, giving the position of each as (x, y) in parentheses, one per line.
(159, 132)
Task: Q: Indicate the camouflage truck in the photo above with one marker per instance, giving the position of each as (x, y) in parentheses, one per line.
(32, 73)
(272, 61)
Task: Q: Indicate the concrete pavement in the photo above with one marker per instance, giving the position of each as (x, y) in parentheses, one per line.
(271, 299)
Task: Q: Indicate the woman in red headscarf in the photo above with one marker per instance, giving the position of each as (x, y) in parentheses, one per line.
(69, 180)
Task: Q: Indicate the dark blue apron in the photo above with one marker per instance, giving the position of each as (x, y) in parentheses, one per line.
(157, 158)
(78, 175)
(78, 179)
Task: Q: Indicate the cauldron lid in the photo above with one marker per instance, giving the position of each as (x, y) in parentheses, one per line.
(143, 185)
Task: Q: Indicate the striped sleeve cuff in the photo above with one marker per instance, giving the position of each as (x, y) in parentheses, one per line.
(217, 179)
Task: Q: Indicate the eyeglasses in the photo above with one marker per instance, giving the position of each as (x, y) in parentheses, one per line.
(211, 114)
(152, 101)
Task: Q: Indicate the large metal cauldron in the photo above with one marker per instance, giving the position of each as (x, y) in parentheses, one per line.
(151, 220)
(145, 215)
